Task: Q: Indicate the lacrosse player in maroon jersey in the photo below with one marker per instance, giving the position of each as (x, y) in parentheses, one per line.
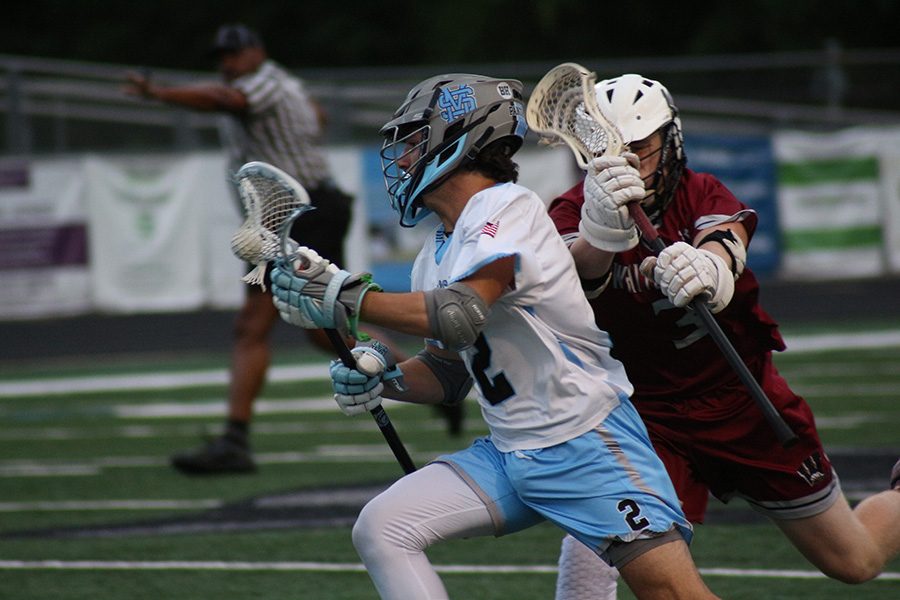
(702, 420)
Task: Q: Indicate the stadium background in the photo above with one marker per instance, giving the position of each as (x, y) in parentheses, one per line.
(750, 71)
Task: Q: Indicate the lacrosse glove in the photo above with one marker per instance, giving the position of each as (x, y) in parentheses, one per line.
(359, 390)
(683, 273)
(311, 292)
(612, 182)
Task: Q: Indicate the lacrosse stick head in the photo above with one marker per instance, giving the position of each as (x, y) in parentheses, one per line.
(563, 109)
(270, 198)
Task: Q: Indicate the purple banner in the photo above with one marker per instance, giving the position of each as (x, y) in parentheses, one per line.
(42, 247)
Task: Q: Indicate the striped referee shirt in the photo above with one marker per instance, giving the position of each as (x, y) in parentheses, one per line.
(280, 126)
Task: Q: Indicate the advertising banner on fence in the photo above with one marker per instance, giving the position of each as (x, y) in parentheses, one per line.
(833, 202)
(146, 236)
(43, 239)
(746, 165)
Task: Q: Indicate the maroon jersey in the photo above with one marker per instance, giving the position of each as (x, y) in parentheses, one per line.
(700, 417)
(666, 350)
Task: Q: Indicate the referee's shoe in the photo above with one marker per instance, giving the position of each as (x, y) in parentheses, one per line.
(219, 456)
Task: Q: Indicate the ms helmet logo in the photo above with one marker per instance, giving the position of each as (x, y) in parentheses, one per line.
(455, 102)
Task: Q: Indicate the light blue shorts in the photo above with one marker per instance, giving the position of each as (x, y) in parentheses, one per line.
(604, 486)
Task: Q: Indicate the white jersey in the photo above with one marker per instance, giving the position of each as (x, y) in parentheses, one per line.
(542, 368)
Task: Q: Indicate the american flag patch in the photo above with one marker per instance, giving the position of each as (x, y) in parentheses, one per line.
(490, 229)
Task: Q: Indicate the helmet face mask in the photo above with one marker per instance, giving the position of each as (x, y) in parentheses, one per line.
(443, 123)
(640, 107)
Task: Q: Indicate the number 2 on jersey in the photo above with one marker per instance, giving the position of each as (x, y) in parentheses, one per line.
(495, 389)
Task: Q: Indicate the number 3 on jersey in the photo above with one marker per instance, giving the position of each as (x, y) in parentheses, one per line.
(495, 389)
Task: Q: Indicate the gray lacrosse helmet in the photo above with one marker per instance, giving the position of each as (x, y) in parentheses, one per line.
(639, 107)
(445, 121)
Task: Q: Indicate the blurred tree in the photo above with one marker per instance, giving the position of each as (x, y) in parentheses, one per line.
(321, 33)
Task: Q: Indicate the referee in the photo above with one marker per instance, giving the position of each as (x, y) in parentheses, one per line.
(271, 119)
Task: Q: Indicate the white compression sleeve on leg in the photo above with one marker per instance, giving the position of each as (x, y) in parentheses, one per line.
(583, 575)
(394, 529)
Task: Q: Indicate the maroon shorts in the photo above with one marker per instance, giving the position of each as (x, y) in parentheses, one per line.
(722, 443)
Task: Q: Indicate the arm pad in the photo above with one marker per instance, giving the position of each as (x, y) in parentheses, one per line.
(452, 374)
(733, 246)
(456, 315)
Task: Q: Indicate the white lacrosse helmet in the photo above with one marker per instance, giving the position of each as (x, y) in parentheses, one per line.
(451, 118)
(639, 107)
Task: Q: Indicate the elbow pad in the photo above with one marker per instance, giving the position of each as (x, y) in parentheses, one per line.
(456, 315)
(454, 378)
(733, 246)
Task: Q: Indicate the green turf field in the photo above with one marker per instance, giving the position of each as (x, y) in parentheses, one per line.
(90, 509)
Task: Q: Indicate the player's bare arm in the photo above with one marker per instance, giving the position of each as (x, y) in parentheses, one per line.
(211, 97)
(409, 313)
(421, 381)
(722, 246)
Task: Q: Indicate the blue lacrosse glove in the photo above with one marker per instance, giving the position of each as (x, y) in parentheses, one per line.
(359, 390)
(311, 292)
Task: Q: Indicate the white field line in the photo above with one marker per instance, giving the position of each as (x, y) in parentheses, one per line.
(361, 453)
(833, 370)
(172, 430)
(842, 341)
(89, 505)
(213, 565)
(152, 381)
(149, 381)
(210, 408)
(308, 499)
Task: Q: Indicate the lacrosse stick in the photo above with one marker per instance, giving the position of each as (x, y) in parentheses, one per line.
(563, 109)
(275, 189)
(270, 196)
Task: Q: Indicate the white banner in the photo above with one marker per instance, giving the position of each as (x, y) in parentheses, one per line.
(43, 247)
(147, 241)
(222, 215)
(890, 194)
(832, 204)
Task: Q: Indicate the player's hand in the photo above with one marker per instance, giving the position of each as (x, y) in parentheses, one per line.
(683, 273)
(359, 390)
(311, 292)
(138, 85)
(611, 183)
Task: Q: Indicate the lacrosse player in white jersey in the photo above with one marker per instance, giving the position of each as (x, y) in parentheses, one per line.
(496, 287)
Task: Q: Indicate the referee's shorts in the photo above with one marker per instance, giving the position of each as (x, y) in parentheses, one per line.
(325, 228)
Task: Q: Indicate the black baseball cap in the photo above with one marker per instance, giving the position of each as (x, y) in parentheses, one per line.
(231, 38)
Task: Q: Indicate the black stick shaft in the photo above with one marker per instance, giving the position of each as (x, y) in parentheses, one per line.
(784, 433)
(378, 413)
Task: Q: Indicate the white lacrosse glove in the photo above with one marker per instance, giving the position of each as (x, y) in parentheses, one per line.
(683, 272)
(612, 182)
(311, 292)
(359, 390)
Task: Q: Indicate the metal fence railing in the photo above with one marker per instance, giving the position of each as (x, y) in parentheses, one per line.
(58, 106)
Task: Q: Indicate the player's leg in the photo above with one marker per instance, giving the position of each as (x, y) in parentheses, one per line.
(796, 487)
(251, 354)
(609, 489)
(465, 494)
(665, 572)
(849, 545)
(394, 529)
(582, 574)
